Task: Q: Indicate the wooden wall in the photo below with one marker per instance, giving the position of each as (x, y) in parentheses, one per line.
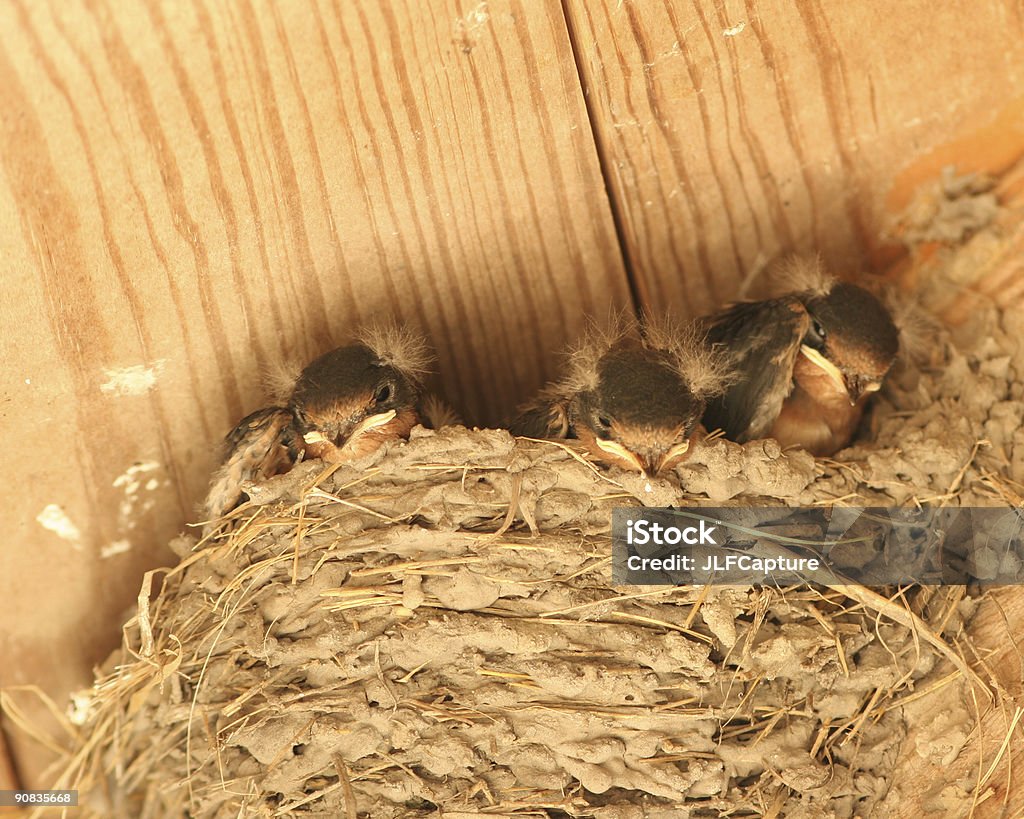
(733, 132)
(191, 191)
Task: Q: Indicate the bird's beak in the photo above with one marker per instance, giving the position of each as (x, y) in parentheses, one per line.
(674, 454)
(830, 369)
(650, 464)
(368, 423)
(619, 451)
(854, 385)
(858, 385)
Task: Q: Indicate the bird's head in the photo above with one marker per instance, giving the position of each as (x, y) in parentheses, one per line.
(349, 400)
(641, 394)
(851, 337)
(640, 414)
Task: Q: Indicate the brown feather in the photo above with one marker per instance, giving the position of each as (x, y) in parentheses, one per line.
(264, 444)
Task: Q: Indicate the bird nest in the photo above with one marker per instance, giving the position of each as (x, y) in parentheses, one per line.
(423, 632)
(433, 631)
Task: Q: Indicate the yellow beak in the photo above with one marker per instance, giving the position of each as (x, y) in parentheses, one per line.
(372, 422)
(676, 451)
(830, 369)
(368, 423)
(613, 448)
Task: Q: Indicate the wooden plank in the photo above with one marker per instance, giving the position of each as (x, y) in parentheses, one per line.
(8, 777)
(735, 131)
(193, 190)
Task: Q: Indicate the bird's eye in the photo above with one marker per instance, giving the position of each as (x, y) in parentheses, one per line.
(816, 335)
(604, 422)
(383, 394)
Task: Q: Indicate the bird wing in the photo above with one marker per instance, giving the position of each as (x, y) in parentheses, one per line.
(547, 416)
(762, 340)
(264, 444)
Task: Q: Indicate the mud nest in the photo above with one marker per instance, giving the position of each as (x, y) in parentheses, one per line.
(433, 631)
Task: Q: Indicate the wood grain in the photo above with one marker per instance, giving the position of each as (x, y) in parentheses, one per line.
(735, 131)
(192, 191)
(8, 776)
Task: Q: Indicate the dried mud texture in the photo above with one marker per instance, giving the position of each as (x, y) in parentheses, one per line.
(951, 209)
(432, 631)
(383, 641)
(435, 630)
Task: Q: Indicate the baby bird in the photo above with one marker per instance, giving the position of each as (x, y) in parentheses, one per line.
(806, 363)
(633, 396)
(343, 405)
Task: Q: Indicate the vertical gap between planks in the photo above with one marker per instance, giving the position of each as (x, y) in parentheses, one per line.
(603, 161)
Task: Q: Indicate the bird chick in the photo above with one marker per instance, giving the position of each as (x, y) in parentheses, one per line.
(343, 405)
(806, 363)
(633, 396)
